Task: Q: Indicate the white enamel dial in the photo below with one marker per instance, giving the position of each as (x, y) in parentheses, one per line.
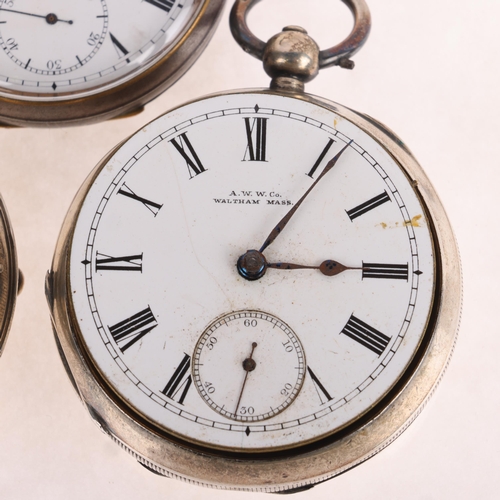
(56, 47)
(153, 267)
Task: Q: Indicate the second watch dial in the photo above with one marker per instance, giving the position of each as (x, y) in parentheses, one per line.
(80, 46)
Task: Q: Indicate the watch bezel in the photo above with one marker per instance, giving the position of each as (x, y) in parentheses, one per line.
(127, 97)
(8, 287)
(307, 464)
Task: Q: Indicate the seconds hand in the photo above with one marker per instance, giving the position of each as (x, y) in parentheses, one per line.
(249, 365)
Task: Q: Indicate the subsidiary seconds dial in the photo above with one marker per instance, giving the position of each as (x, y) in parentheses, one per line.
(235, 364)
(68, 34)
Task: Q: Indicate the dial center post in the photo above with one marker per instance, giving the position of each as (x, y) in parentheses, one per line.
(252, 265)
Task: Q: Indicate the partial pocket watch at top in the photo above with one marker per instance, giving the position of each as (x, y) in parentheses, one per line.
(11, 279)
(259, 289)
(69, 62)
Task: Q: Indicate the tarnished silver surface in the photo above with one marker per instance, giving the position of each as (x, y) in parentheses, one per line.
(126, 98)
(304, 466)
(337, 55)
(291, 58)
(11, 280)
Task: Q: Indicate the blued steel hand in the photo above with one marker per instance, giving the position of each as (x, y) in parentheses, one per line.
(327, 267)
(249, 366)
(284, 221)
(50, 18)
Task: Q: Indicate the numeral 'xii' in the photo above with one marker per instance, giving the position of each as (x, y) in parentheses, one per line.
(256, 130)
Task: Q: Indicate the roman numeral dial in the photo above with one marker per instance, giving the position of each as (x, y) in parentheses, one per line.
(301, 351)
(179, 383)
(321, 157)
(119, 47)
(256, 133)
(321, 390)
(165, 5)
(385, 271)
(366, 335)
(129, 263)
(184, 147)
(129, 331)
(152, 206)
(368, 205)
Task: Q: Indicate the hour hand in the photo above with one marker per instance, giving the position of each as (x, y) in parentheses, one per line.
(252, 265)
(328, 267)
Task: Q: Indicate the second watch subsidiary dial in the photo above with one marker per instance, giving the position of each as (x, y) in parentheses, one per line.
(235, 361)
(69, 34)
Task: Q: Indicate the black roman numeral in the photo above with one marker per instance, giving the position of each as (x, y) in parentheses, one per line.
(321, 157)
(320, 388)
(385, 271)
(120, 49)
(368, 205)
(165, 5)
(256, 129)
(129, 331)
(179, 382)
(107, 263)
(150, 205)
(186, 150)
(366, 335)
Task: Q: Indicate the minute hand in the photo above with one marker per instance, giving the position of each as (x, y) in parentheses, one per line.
(284, 221)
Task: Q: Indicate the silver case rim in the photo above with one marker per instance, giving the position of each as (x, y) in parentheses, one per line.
(305, 468)
(8, 246)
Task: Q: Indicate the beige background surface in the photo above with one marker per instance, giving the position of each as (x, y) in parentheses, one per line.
(429, 71)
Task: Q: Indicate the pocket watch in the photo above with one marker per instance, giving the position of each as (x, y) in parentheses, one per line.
(260, 289)
(95, 60)
(11, 279)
